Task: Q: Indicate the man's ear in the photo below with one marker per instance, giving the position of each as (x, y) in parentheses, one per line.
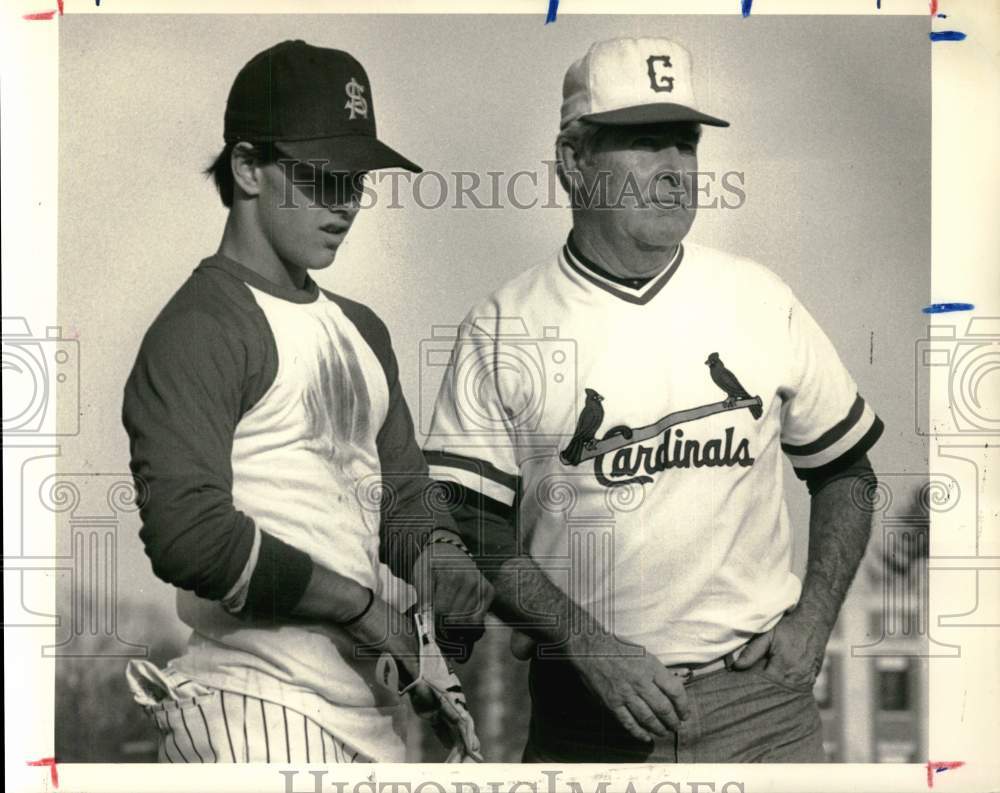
(567, 167)
(246, 169)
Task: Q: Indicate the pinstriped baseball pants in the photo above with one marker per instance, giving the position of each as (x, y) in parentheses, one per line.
(199, 724)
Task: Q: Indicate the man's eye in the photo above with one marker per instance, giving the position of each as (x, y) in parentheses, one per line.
(655, 144)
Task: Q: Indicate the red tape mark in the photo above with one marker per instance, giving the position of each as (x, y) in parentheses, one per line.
(934, 7)
(937, 768)
(51, 763)
(41, 15)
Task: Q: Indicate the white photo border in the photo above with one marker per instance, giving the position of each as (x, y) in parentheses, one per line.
(964, 694)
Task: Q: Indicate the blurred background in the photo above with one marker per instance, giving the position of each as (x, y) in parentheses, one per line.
(872, 691)
(830, 133)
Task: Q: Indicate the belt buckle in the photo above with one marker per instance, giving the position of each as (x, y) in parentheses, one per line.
(685, 673)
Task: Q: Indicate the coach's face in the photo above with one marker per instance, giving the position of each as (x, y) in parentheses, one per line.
(305, 213)
(650, 172)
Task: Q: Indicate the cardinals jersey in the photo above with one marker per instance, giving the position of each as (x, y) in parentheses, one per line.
(635, 433)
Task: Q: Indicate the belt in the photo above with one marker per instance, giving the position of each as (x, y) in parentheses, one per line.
(690, 671)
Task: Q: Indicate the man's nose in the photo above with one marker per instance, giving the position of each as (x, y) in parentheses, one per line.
(344, 202)
(669, 157)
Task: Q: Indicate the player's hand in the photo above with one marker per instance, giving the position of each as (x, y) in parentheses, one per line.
(435, 693)
(447, 720)
(647, 698)
(447, 580)
(791, 652)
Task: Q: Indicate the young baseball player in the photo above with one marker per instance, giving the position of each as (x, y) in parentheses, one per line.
(285, 496)
(615, 421)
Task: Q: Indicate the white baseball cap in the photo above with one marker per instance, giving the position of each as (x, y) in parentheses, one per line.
(633, 81)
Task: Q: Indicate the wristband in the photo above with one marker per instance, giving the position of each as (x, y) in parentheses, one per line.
(365, 610)
(449, 539)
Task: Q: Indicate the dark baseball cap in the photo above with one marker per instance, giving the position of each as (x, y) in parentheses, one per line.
(314, 103)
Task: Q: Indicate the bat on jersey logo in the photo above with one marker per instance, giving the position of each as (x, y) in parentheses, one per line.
(627, 462)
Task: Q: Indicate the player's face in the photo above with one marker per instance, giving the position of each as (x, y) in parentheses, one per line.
(650, 172)
(306, 212)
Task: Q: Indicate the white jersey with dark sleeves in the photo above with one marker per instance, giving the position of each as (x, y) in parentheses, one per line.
(266, 423)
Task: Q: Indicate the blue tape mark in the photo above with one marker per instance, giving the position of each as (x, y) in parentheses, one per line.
(745, 6)
(878, 4)
(947, 35)
(553, 8)
(944, 308)
(942, 16)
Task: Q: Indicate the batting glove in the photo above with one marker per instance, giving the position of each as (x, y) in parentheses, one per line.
(436, 694)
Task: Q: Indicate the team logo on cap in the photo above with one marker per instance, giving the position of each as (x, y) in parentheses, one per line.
(356, 103)
(659, 80)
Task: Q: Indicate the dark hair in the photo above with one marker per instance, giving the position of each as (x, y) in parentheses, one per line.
(221, 170)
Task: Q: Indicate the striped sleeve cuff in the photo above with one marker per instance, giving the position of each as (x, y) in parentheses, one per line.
(236, 597)
(478, 475)
(840, 446)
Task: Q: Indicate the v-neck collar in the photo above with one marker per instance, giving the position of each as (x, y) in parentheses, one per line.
(638, 294)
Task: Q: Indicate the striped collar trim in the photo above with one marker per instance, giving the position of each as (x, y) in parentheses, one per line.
(638, 296)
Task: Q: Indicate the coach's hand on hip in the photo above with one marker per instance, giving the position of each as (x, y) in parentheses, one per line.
(647, 698)
(446, 578)
(791, 652)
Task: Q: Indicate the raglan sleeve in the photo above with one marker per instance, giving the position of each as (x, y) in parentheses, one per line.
(472, 444)
(826, 425)
(182, 402)
(411, 506)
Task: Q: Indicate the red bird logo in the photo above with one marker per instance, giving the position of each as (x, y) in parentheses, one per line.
(727, 381)
(584, 437)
